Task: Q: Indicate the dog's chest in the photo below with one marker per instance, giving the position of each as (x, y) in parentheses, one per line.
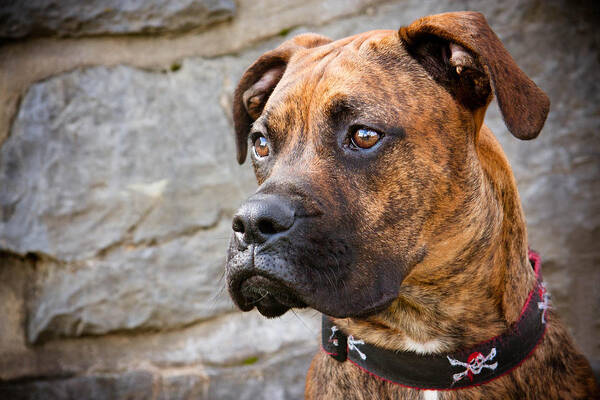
(330, 379)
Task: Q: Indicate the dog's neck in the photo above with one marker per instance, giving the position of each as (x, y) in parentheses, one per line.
(474, 281)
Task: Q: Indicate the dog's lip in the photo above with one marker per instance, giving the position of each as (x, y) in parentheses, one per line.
(298, 294)
(250, 289)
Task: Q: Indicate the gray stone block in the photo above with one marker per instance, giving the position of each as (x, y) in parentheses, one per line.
(125, 181)
(103, 154)
(160, 287)
(136, 385)
(76, 18)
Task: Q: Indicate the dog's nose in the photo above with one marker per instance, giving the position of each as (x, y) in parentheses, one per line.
(261, 217)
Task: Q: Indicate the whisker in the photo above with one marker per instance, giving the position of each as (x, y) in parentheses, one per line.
(303, 323)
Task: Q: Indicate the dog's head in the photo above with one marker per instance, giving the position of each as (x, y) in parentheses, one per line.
(366, 152)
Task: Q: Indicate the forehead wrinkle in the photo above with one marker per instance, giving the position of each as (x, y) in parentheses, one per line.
(315, 78)
(324, 61)
(290, 111)
(335, 95)
(280, 117)
(340, 105)
(377, 86)
(329, 87)
(284, 119)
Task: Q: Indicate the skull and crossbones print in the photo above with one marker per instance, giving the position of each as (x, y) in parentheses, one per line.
(332, 338)
(475, 363)
(353, 345)
(544, 305)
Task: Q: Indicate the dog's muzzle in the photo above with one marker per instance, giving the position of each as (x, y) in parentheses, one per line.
(261, 226)
(289, 251)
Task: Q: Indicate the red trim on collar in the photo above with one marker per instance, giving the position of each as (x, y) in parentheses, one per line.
(459, 369)
(456, 388)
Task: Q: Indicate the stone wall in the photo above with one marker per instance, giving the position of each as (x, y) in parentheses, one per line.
(118, 182)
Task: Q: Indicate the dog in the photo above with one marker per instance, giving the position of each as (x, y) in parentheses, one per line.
(386, 204)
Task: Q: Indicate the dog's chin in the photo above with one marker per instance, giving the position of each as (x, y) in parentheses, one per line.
(270, 298)
(273, 299)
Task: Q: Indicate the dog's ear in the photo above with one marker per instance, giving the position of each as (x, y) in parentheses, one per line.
(259, 81)
(461, 51)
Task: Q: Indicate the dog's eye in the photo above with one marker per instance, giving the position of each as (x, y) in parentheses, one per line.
(261, 147)
(365, 138)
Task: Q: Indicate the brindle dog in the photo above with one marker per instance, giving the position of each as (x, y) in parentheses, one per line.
(386, 203)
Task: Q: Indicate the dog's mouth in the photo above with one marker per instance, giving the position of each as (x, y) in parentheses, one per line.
(271, 298)
(298, 271)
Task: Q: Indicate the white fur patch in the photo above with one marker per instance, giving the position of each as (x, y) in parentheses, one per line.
(430, 395)
(429, 347)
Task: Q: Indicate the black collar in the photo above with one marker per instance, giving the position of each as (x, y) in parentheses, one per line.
(470, 367)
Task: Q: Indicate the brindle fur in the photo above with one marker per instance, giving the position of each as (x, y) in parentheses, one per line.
(420, 245)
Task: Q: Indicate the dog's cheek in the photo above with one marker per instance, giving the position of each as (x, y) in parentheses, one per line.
(260, 170)
(398, 209)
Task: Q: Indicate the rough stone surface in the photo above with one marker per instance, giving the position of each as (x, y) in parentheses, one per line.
(146, 287)
(240, 383)
(74, 18)
(215, 357)
(182, 386)
(122, 182)
(135, 385)
(227, 341)
(121, 155)
(15, 273)
(150, 225)
(266, 381)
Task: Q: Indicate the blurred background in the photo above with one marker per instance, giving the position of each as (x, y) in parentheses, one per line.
(118, 182)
